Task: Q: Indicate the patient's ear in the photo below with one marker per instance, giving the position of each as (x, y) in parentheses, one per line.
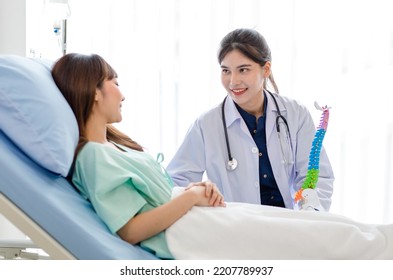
(98, 95)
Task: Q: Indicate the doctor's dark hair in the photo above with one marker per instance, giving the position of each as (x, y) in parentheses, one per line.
(251, 44)
(78, 76)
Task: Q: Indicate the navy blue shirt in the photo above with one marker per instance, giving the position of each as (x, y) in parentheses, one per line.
(270, 194)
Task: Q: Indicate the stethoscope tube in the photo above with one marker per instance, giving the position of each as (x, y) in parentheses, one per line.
(232, 163)
(279, 116)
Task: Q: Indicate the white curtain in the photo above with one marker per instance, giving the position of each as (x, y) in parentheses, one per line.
(339, 53)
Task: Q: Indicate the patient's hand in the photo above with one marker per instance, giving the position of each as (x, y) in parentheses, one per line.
(207, 194)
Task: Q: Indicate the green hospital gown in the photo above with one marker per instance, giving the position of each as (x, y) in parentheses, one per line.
(122, 184)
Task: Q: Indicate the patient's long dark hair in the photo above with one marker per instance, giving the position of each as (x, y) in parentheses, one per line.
(78, 76)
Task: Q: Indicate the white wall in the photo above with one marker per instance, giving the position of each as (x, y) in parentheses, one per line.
(12, 41)
(13, 27)
(339, 53)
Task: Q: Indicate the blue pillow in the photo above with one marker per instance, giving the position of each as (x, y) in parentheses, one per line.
(35, 115)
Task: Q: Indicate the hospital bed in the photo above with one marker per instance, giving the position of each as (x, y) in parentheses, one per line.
(38, 134)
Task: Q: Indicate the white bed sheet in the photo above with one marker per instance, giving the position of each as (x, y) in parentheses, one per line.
(247, 231)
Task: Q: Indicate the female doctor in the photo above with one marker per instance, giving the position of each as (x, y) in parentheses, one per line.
(255, 145)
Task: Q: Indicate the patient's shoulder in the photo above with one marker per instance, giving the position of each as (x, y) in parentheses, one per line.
(92, 151)
(97, 148)
(89, 148)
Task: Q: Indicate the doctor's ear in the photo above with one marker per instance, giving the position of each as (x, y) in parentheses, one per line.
(267, 69)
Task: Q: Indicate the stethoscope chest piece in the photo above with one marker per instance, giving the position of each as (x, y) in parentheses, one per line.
(232, 164)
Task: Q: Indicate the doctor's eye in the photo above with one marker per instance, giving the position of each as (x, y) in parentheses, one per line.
(243, 70)
(224, 71)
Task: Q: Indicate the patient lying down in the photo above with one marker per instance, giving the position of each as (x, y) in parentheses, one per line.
(133, 196)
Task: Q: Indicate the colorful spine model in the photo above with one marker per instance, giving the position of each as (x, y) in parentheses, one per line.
(309, 200)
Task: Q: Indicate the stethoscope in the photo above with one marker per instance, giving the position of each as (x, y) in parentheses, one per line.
(232, 162)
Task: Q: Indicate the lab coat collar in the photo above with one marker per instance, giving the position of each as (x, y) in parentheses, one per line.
(231, 112)
(272, 113)
(272, 106)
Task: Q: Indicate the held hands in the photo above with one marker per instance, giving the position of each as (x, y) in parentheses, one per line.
(206, 193)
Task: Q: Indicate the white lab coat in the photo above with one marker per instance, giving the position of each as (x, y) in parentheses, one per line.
(204, 150)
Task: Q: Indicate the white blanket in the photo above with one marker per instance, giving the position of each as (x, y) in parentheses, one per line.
(248, 231)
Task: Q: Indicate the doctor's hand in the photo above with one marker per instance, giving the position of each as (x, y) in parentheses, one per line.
(210, 193)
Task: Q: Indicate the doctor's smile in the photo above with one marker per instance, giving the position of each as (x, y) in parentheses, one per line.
(238, 91)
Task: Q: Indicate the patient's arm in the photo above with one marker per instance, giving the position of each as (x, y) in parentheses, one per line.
(150, 223)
